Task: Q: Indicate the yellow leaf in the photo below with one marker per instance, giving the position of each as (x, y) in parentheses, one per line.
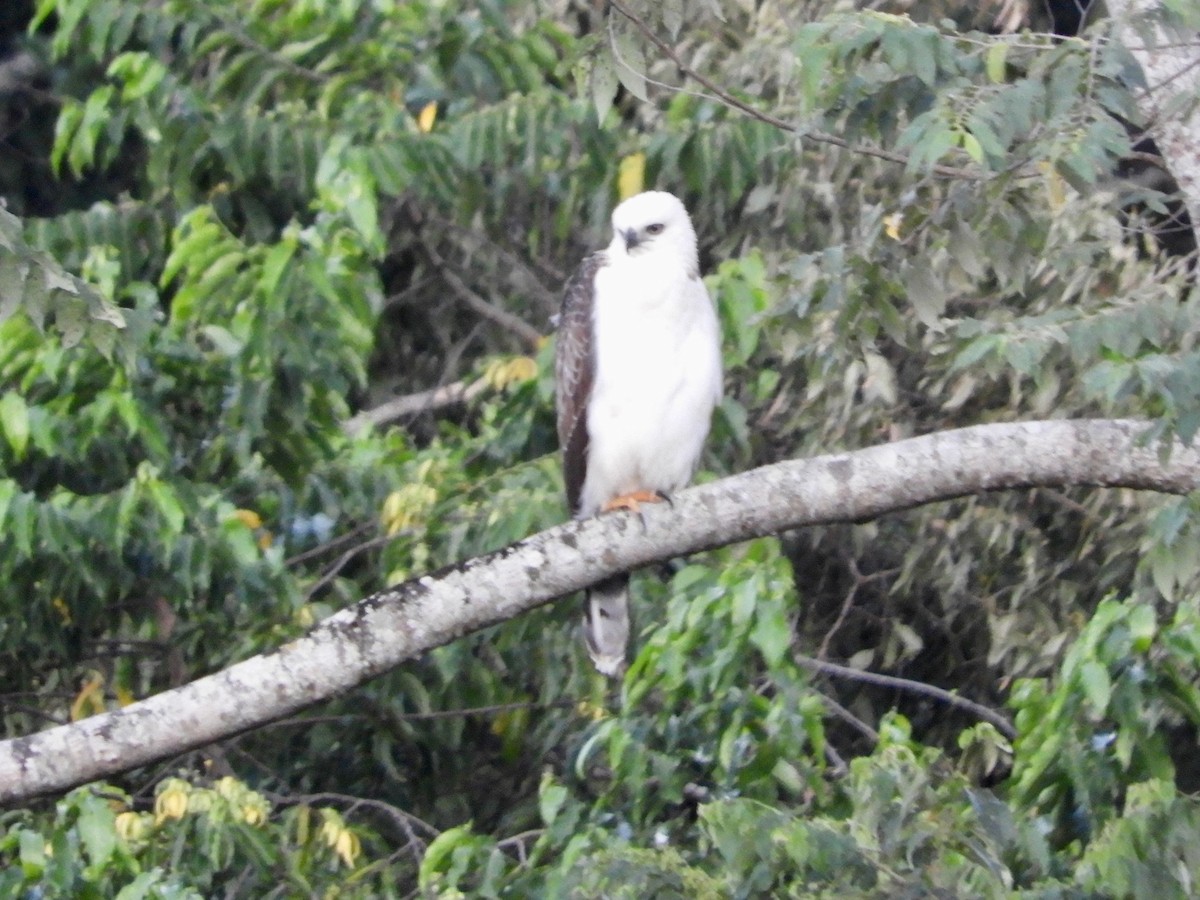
(348, 847)
(202, 800)
(491, 373)
(631, 175)
(523, 368)
(407, 506)
(64, 611)
(90, 699)
(229, 788)
(427, 117)
(265, 540)
(500, 373)
(340, 839)
(255, 809)
(303, 823)
(1055, 186)
(589, 710)
(393, 506)
(125, 696)
(172, 800)
(891, 225)
(133, 826)
(248, 517)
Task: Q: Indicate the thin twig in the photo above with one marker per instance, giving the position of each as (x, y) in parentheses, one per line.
(847, 604)
(733, 102)
(486, 710)
(916, 687)
(405, 819)
(850, 719)
(836, 760)
(330, 545)
(515, 325)
(331, 572)
(302, 721)
(175, 763)
(518, 841)
(545, 294)
(309, 721)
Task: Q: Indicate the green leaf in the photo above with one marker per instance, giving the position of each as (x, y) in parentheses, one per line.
(551, 798)
(140, 72)
(8, 490)
(14, 274)
(70, 318)
(97, 829)
(33, 853)
(603, 84)
(1097, 685)
(275, 264)
(1143, 625)
(438, 853)
(925, 293)
(974, 149)
(772, 634)
(744, 598)
(672, 12)
(630, 64)
(96, 116)
(168, 505)
(14, 419)
(140, 887)
(996, 60)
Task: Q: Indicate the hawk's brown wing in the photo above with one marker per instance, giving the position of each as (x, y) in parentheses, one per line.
(574, 372)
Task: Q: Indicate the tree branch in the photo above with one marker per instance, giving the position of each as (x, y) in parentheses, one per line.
(515, 325)
(733, 102)
(407, 620)
(411, 404)
(913, 687)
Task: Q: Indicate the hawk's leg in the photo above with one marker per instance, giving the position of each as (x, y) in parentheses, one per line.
(633, 501)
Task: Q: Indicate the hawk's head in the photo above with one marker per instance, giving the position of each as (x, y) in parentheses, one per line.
(654, 223)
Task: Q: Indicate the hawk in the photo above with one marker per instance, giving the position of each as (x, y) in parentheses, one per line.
(638, 373)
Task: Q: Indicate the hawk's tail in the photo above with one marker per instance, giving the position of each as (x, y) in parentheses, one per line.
(606, 624)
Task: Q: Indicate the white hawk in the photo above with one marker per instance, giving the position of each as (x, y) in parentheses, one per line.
(638, 373)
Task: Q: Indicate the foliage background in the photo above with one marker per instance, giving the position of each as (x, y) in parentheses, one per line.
(297, 211)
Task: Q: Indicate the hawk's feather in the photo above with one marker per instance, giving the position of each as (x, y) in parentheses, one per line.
(574, 373)
(606, 623)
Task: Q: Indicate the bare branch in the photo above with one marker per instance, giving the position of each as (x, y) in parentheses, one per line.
(528, 335)
(913, 687)
(412, 404)
(839, 711)
(405, 621)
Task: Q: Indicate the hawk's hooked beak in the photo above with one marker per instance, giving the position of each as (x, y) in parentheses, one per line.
(631, 238)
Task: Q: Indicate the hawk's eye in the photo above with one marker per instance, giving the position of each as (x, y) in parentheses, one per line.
(656, 228)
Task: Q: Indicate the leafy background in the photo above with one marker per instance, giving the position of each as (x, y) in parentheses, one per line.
(232, 225)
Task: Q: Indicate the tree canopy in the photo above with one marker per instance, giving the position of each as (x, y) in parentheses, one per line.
(277, 283)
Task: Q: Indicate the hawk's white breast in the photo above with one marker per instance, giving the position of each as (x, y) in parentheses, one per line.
(657, 377)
